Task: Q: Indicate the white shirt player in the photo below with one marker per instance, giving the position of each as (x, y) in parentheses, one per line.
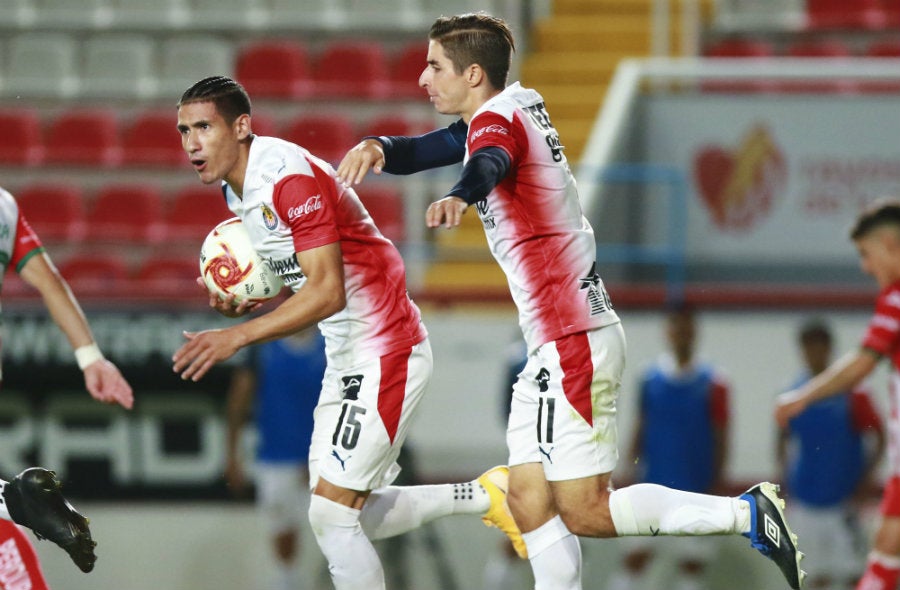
(292, 203)
(534, 224)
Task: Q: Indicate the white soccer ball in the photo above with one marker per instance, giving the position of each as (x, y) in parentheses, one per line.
(229, 264)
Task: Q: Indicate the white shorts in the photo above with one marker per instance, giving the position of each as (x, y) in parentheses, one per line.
(363, 417)
(830, 539)
(282, 495)
(563, 411)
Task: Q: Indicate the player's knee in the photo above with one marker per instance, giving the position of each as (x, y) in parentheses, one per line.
(587, 514)
(325, 514)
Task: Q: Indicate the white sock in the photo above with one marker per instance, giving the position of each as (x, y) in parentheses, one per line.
(555, 556)
(285, 578)
(395, 510)
(4, 511)
(352, 561)
(649, 509)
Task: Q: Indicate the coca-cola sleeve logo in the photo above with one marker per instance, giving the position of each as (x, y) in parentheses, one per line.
(312, 204)
(738, 185)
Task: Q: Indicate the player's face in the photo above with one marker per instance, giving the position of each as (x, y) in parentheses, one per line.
(879, 255)
(447, 90)
(682, 334)
(211, 143)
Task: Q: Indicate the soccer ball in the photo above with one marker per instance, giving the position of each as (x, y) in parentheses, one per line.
(229, 264)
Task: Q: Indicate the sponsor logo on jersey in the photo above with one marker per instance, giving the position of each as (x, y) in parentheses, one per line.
(886, 322)
(493, 128)
(13, 573)
(597, 297)
(313, 203)
(893, 299)
(542, 378)
(352, 384)
(269, 219)
(484, 212)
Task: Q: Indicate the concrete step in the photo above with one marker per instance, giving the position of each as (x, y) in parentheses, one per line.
(570, 67)
(602, 7)
(615, 34)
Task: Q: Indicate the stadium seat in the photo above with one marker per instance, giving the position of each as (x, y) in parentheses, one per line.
(21, 133)
(77, 14)
(229, 15)
(153, 140)
(118, 66)
(55, 211)
(309, 14)
(186, 60)
(406, 67)
(92, 274)
(393, 15)
(83, 138)
(150, 13)
(739, 48)
(169, 275)
(263, 124)
(275, 69)
(327, 136)
(389, 125)
(41, 65)
(193, 211)
(125, 213)
(385, 205)
(352, 70)
(845, 14)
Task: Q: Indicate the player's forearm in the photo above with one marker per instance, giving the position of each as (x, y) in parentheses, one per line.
(843, 375)
(305, 308)
(408, 155)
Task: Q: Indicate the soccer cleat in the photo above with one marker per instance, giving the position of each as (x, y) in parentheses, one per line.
(34, 500)
(770, 533)
(495, 482)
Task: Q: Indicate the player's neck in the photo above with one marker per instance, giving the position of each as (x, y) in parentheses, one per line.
(235, 178)
(479, 97)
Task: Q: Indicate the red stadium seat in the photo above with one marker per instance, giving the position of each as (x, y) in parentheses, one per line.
(352, 69)
(263, 124)
(126, 213)
(96, 275)
(83, 138)
(275, 69)
(389, 125)
(55, 211)
(406, 67)
(152, 140)
(845, 14)
(193, 212)
(739, 48)
(21, 133)
(327, 136)
(385, 205)
(169, 276)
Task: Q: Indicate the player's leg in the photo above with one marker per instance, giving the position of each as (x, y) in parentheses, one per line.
(282, 495)
(362, 419)
(19, 565)
(33, 499)
(883, 565)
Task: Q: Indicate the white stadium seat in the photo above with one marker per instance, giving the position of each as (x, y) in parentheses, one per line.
(188, 59)
(118, 66)
(74, 13)
(42, 65)
(155, 14)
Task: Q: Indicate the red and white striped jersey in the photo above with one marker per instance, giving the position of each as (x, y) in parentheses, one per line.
(292, 203)
(534, 224)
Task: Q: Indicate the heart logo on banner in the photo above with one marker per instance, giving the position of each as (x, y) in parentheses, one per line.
(739, 186)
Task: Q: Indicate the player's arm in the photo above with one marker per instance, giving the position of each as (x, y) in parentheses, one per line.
(240, 397)
(404, 155)
(485, 170)
(101, 377)
(321, 296)
(843, 375)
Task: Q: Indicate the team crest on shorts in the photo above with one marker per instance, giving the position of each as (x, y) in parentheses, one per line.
(269, 219)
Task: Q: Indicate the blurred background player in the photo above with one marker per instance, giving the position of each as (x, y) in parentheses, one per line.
(562, 426)
(680, 441)
(876, 235)
(279, 384)
(828, 454)
(33, 499)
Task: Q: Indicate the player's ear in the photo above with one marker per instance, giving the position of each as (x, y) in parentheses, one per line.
(242, 127)
(474, 75)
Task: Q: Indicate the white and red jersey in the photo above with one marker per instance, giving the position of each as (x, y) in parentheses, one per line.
(18, 242)
(292, 203)
(883, 337)
(534, 224)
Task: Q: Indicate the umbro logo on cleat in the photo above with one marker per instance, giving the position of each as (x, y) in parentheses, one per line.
(773, 532)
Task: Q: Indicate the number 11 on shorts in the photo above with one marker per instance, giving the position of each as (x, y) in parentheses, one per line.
(545, 426)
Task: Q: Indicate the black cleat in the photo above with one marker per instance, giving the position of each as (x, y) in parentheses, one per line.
(770, 534)
(34, 500)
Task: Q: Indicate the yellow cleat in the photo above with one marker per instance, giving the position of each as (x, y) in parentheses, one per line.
(495, 482)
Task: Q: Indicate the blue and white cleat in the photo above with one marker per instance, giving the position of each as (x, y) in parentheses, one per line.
(770, 533)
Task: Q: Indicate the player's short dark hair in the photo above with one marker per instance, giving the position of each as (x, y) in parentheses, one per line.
(476, 38)
(815, 330)
(230, 98)
(884, 212)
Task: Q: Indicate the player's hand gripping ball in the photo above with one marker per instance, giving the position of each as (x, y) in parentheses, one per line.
(229, 264)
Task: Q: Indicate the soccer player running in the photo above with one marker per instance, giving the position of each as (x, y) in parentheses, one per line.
(33, 498)
(562, 428)
(348, 278)
(876, 234)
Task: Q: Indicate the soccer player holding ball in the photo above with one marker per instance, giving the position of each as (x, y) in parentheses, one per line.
(562, 424)
(317, 236)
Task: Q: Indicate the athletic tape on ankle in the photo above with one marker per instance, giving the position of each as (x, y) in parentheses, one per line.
(87, 354)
